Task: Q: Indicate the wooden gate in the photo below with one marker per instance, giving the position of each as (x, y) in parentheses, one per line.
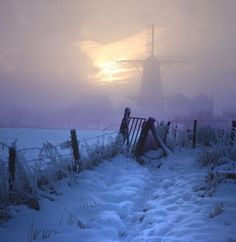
(130, 129)
(135, 130)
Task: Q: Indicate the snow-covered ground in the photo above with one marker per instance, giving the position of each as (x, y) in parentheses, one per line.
(27, 137)
(120, 200)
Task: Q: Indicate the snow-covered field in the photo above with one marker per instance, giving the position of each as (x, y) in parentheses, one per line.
(120, 200)
(27, 137)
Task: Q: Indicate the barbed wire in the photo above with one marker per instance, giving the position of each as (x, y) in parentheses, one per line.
(28, 149)
(98, 136)
(61, 146)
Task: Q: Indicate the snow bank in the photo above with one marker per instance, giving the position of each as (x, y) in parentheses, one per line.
(120, 200)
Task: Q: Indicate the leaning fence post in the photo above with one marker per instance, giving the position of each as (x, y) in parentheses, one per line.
(11, 169)
(75, 148)
(233, 130)
(194, 134)
(146, 126)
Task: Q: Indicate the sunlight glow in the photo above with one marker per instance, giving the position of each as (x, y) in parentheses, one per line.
(106, 57)
(109, 70)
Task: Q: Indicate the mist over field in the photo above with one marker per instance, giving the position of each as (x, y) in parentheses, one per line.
(59, 60)
(117, 120)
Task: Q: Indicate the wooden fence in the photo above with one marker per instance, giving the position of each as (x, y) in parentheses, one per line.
(134, 131)
(139, 128)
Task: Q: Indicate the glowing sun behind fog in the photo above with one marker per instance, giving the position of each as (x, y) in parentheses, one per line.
(106, 57)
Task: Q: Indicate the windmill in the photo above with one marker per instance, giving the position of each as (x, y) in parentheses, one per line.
(151, 95)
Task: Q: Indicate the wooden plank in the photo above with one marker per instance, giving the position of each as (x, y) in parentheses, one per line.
(142, 138)
(159, 141)
(133, 134)
(137, 132)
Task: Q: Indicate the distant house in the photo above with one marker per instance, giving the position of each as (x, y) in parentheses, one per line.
(202, 106)
(229, 113)
(178, 106)
(181, 107)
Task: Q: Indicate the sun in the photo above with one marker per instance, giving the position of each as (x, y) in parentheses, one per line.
(109, 71)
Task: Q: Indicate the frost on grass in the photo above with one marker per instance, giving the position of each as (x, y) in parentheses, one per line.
(30, 176)
(101, 150)
(218, 153)
(38, 176)
(51, 166)
(216, 145)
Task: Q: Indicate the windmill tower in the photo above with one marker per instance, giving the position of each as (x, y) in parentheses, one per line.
(151, 91)
(150, 96)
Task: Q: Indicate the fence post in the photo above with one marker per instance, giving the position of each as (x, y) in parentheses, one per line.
(233, 130)
(194, 134)
(11, 169)
(167, 127)
(124, 127)
(175, 132)
(75, 148)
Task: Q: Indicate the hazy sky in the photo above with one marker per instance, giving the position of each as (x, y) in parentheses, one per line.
(53, 51)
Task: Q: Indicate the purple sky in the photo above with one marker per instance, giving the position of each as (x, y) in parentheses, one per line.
(42, 63)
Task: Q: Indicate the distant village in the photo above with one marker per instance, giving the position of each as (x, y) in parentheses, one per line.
(181, 107)
(99, 113)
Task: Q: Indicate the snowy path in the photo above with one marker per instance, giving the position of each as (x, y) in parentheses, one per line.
(121, 200)
(172, 211)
